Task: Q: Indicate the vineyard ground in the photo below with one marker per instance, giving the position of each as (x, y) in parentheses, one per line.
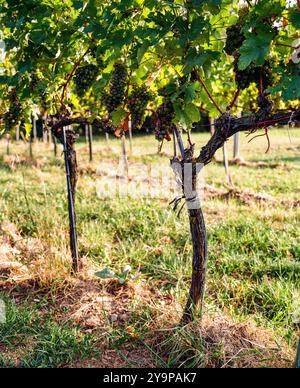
(252, 307)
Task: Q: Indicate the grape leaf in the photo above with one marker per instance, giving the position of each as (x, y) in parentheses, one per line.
(196, 28)
(255, 49)
(192, 112)
(118, 115)
(295, 17)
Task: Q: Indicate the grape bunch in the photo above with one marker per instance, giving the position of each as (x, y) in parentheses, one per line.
(110, 129)
(106, 126)
(118, 83)
(245, 77)
(137, 104)
(165, 116)
(85, 76)
(235, 39)
(148, 124)
(260, 75)
(15, 112)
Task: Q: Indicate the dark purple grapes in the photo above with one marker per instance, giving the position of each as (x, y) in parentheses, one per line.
(235, 39)
(165, 116)
(85, 76)
(260, 75)
(117, 89)
(137, 104)
(15, 112)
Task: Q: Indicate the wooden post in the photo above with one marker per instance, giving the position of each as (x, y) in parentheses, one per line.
(7, 144)
(18, 133)
(174, 144)
(124, 154)
(130, 137)
(45, 133)
(55, 146)
(107, 138)
(71, 175)
(226, 165)
(30, 145)
(297, 362)
(236, 146)
(90, 138)
(86, 133)
(34, 129)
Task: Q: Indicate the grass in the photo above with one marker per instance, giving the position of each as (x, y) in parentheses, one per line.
(252, 305)
(41, 342)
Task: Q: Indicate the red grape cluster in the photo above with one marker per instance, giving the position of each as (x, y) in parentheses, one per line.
(165, 116)
(85, 76)
(137, 104)
(117, 88)
(262, 76)
(15, 112)
(235, 39)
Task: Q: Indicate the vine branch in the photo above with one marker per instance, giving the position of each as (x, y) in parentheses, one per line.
(199, 79)
(77, 63)
(261, 119)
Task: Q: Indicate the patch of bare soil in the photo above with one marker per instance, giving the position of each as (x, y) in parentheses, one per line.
(248, 197)
(93, 304)
(86, 169)
(23, 261)
(243, 345)
(13, 161)
(243, 163)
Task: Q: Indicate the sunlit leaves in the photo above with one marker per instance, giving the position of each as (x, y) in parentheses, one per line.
(268, 9)
(160, 41)
(289, 84)
(294, 17)
(118, 116)
(255, 49)
(203, 58)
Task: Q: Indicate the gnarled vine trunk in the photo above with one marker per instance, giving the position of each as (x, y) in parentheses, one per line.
(197, 227)
(196, 294)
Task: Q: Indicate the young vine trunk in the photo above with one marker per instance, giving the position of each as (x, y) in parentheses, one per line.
(196, 294)
(198, 235)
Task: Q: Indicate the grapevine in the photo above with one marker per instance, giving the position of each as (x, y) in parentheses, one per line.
(118, 84)
(97, 55)
(85, 76)
(178, 45)
(165, 116)
(235, 39)
(260, 75)
(137, 104)
(15, 112)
